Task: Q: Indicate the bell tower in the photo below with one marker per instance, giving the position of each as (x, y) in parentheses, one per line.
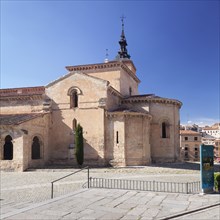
(123, 53)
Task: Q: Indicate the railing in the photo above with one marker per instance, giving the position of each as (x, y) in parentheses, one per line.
(52, 186)
(173, 187)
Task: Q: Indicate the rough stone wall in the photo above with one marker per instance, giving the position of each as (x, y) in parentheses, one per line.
(164, 149)
(19, 106)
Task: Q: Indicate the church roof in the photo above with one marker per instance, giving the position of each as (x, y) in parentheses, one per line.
(75, 72)
(15, 119)
(129, 112)
(109, 66)
(22, 93)
(151, 98)
(189, 132)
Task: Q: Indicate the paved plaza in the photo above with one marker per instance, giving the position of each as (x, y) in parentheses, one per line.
(27, 195)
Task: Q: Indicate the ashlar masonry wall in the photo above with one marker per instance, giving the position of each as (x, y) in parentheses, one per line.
(87, 113)
(164, 149)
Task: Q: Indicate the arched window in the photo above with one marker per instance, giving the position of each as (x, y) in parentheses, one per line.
(74, 99)
(165, 129)
(74, 93)
(35, 148)
(8, 148)
(74, 124)
(164, 132)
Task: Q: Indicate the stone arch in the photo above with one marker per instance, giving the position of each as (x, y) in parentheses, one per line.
(36, 148)
(8, 148)
(74, 88)
(74, 92)
(164, 127)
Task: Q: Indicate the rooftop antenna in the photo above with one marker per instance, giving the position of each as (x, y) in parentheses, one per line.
(106, 55)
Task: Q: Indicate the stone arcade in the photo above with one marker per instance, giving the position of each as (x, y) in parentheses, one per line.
(121, 127)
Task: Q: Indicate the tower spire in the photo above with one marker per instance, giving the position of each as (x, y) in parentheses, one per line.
(123, 53)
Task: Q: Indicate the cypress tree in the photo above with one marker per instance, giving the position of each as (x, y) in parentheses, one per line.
(79, 152)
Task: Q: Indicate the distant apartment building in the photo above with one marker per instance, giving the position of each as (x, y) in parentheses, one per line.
(211, 136)
(192, 136)
(208, 139)
(190, 142)
(217, 148)
(213, 130)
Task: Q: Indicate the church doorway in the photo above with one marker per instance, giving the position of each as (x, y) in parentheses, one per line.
(35, 149)
(8, 148)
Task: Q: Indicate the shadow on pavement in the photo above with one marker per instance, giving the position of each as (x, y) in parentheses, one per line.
(184, 165)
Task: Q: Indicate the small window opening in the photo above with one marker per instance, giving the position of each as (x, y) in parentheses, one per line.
(74, 128)
(186, 138)
(130, 91)
(195, 138)
(74, 99)
(8, 148)
(35, 151)
(117, 139)
(164, 133)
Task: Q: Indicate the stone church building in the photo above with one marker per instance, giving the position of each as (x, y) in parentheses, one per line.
(121, 127)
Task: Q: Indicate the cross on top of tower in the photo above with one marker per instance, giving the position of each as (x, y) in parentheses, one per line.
(122, 21)
(123, 53)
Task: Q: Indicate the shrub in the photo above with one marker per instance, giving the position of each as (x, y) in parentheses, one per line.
(217, 180)
(79, 152)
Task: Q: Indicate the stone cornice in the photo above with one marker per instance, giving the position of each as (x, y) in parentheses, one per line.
(103, 66)
(128, 114)
(151, 99)
(126, 69)
(115, 92)
(79, 73)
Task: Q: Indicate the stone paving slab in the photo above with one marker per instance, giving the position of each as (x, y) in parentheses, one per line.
(22, 194)
(113, 204)
(210, 214)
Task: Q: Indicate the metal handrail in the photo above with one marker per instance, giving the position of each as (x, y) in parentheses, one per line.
(87, 167)
(145, 185)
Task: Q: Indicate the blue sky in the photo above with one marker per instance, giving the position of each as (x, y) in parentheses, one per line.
(173, 44)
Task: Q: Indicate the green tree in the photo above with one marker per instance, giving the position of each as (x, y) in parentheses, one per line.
(79, 152)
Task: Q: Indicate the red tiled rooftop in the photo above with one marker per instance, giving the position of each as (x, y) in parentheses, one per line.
(189, 132)
(39, 90)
